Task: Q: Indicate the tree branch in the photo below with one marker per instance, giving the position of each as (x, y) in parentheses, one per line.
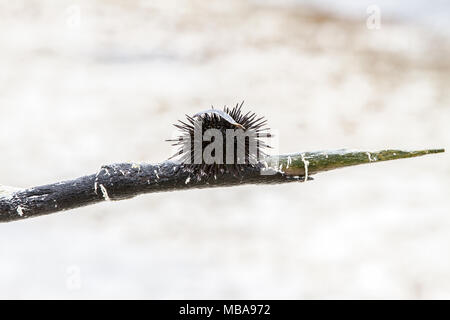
(127, 180)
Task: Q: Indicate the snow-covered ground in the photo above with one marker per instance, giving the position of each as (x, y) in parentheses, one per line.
(84, 83)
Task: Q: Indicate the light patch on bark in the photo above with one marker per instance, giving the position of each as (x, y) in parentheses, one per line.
(289, 161)
(20, 211)
(105, 193)
(306, 164)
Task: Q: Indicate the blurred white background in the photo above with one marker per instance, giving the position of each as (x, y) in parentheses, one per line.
(86, 83)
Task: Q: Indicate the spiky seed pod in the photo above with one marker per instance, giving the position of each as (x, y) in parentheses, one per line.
(250, 144)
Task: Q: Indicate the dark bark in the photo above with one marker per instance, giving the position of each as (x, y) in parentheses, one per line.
(117, 182)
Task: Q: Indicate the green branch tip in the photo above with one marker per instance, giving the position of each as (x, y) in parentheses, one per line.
(307, 163)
